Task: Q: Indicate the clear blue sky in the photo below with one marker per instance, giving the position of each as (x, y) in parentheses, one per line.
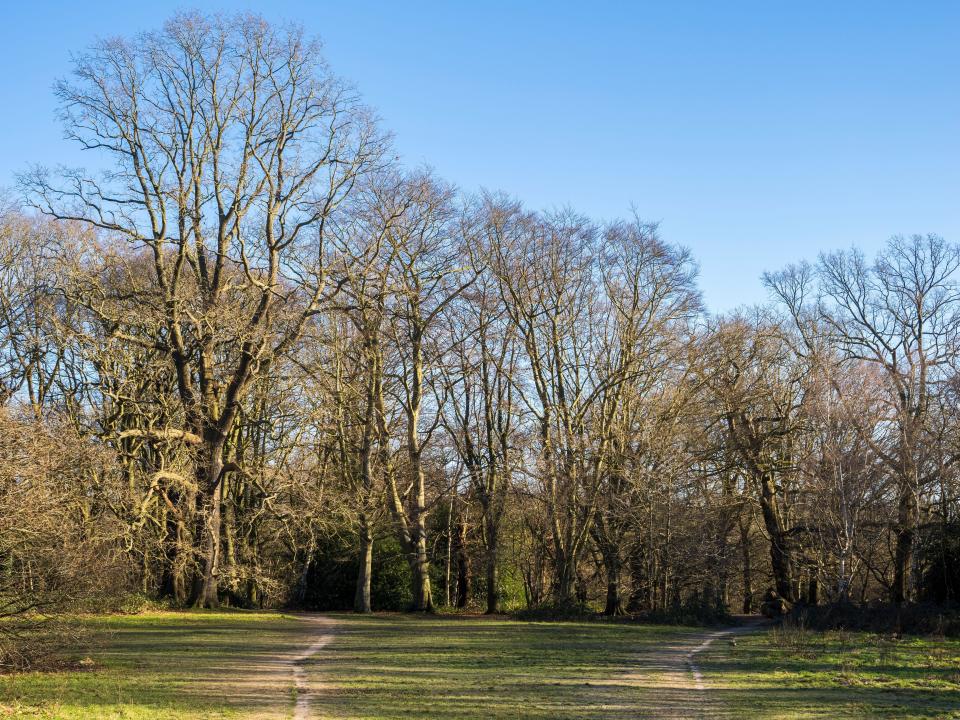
(757, 133)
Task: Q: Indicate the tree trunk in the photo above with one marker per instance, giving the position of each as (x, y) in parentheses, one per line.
(782, 565)
(493, 591)
(610, 555)
(613, 606)
(361, 598)
(177, 550)
(813, 590)
(299, 594)
(747, 568)
(420, 570)
(206, 594)
(565, 581)
(419, 560)
(449, 556)
(907, 513)
(230, 551)
(639, 581)
(463, 563)
(411, 532)
(781, 559)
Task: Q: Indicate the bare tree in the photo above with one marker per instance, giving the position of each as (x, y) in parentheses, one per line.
(53, 531)
(759, 385)
(230, 146)
(902, 315)
(427, 273)
(649, 288)
(358, 364)
(34, 343)
(844, 478)
(482, 414)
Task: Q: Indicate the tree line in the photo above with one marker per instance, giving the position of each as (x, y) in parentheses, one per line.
(254, 359)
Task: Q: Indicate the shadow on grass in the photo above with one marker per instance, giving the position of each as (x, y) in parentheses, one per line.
(202, 665)
(171, 665)
(837, 679)
(400, 667)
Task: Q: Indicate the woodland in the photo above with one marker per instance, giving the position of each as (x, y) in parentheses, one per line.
(250, 359)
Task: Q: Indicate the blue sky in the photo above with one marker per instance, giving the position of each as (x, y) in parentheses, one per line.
(757, 133)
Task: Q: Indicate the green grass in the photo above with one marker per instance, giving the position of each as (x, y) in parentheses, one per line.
(176, 666)
(187, 666)
(203, 665)
(387, 667)
(797, 673)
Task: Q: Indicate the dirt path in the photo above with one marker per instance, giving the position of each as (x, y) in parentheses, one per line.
(322, 631)
(671, 674)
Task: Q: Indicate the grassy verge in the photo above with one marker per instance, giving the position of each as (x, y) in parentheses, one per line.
(797, 673)
(176, 666)
(387, 667)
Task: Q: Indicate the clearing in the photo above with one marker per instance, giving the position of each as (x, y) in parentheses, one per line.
(205, 665)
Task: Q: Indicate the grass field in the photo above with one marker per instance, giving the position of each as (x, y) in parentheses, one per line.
(395, 666)
(794, 673)
(188, 666)
(176, 666)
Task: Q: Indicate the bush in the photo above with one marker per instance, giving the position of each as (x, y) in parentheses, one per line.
(390, 584)
(914, 619)
(57, 548)
(333, 573)
(551, 612)
(135, 603)
(331, 582)
(794, 636)
(938, 554)
(693, 611)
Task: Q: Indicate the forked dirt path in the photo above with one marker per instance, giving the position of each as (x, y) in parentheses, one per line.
(672, 676)
(669, 673)
(322, 632)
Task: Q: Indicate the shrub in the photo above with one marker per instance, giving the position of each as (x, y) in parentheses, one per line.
(331, 583)
(794, 635)
(56, 546)
(940, 620)
(549, 612)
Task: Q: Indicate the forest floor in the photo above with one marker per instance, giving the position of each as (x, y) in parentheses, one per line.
(205, 665)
